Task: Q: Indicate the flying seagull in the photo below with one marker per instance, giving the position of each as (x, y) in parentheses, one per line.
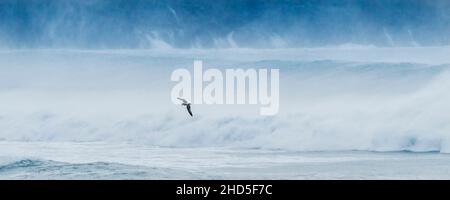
(187, 104)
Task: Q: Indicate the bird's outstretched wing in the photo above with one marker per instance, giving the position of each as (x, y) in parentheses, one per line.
(189, 109)
(183, 100)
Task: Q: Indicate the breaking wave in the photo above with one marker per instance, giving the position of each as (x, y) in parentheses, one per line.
(325, 104)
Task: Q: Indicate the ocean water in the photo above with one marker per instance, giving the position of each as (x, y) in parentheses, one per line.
(349, 112)
(71, 160)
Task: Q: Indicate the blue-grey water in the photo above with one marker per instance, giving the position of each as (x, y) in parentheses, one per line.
(85, 89)
(42, 160)
(345, 113)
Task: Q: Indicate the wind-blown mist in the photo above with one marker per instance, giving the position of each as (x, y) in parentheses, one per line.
(222, 24)
(331, 99)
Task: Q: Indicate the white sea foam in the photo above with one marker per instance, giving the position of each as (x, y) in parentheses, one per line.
(381, 99)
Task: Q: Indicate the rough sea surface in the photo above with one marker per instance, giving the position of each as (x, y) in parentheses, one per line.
(347, 112)
(37, 160)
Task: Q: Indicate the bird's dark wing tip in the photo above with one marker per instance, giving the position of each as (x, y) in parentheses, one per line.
(189, 110)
